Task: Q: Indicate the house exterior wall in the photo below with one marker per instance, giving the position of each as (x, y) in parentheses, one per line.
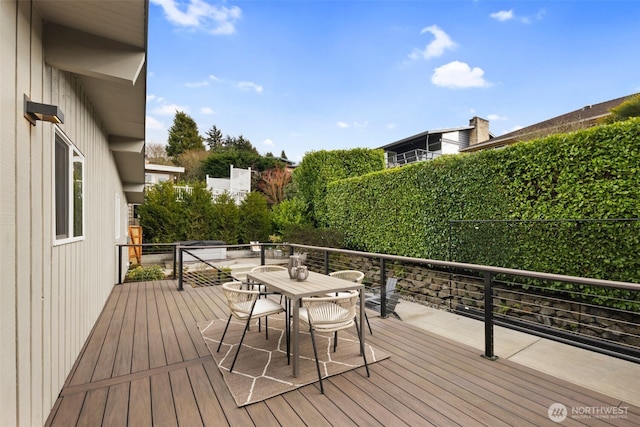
(50, 295)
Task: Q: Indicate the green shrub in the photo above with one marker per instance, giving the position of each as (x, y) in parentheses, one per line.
(288, 212)
(146, 273)
(307, 234)
(255, 218)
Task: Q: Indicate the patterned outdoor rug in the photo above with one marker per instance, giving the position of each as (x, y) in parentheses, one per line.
(261, 370)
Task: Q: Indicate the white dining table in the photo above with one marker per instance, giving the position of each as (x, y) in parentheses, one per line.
(315, 285)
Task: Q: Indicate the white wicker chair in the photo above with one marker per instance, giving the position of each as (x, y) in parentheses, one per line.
(352, 276)
(244, 304)
(331, 314)
(263, 269)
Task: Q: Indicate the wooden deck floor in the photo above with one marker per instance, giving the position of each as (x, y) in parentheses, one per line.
(145, 363)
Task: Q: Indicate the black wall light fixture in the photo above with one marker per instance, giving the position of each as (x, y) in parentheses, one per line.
(34, 111)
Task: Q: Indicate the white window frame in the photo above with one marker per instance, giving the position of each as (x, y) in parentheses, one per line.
(74, 157)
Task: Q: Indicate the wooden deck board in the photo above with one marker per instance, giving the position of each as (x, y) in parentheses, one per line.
(106, 361)
(157, 356)
(140, 403)
(146, 363)
(140, 356)
(86, 364)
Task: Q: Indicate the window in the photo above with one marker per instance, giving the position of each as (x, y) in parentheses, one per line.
(69, 191)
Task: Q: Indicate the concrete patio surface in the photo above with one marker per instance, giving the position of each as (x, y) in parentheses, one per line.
(609, 375)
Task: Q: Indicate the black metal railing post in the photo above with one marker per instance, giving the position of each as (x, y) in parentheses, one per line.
(174, 261)
(488, 316)
(326, 262)
(180, 284)
(383, 288)
(119, 265)
(262, 255)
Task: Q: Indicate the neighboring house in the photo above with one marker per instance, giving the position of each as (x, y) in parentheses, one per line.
(238, 185)
(430, 144)
(72, 160)
(582, 118)
(154, 174)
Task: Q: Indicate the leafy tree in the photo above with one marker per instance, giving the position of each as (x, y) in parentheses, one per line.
(183, 135)
(217, 163)
(273, 184)
(269, 154)
(255, 223)
(287, 213)
(629, 108)
(191, 161)
(226, 219)
(283, 155)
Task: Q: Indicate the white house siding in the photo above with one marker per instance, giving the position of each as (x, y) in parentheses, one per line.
(50, 296)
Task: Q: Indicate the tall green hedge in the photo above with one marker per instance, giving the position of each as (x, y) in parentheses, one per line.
(319, 168)
(591, 173)
(406, 211)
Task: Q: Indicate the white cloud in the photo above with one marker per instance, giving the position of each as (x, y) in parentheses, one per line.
(153, 124)
(169, 109)
(200, 15)
(391, 125)
(508, 15)
(458, 74)
(441, 42)
(268, 142)
(249, 86)
(197, 84)
(495, 117)
(207, 110)
(242, 85)
(503, 15)
(360, 125)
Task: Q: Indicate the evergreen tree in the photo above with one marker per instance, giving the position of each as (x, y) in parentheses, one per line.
(226, 219)
(214, 138)
(183, 135)
(255, 222)
(283, 155)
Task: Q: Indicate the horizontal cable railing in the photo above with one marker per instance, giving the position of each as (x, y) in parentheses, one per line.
(516, 299)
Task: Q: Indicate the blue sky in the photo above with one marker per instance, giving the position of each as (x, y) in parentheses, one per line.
(304, 76)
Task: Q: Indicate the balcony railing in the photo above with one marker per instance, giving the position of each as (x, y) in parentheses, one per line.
(400, 159)
(493, 295)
